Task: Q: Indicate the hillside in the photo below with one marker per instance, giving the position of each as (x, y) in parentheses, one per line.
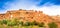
(30, 15)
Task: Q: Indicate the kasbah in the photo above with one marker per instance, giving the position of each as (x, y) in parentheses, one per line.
(30, 15)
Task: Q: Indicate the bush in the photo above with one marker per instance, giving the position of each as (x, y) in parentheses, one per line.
(52, 25)
(35, 23)
(11, 24)
(26, 23)
(41, 24)
(1, 22)
(21, 23)
(4, 21)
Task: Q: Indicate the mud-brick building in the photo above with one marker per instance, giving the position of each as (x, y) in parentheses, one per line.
(29, 15)
(2, 16)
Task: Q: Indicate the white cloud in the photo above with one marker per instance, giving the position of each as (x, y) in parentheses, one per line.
(49, 10)
(19, 5)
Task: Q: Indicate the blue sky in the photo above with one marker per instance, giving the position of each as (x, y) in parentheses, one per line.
(50, 7)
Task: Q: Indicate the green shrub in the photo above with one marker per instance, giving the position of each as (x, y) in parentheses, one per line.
(4, 21)
(34, 23)
(26, 23)
(1, 22)
(11, 24)
(21, 23)
(52, 25)
(41, 24)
